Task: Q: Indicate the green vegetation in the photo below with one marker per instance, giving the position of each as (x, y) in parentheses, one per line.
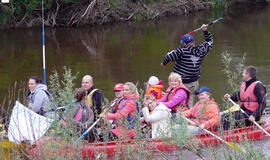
(27, 13)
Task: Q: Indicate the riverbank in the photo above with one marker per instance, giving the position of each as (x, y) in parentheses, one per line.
(68, 13)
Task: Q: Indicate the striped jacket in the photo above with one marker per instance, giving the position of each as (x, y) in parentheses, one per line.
(188, 59)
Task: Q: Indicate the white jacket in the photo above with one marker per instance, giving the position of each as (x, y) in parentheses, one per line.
(159, 119)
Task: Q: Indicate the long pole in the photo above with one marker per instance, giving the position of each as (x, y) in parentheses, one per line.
(248, 116)
(43, 45)
(215, 21)
(230, 144)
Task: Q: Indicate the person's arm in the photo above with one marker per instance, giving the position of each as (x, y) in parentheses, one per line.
(180, 96)
(130, 107)
(260, 93)
(188, 113)
(98, 100)
(163, 98)
(206, 46)
(154, 117)
(172, 56)
(213, 116)
(91, 119)
(235, 96)
(38, 101)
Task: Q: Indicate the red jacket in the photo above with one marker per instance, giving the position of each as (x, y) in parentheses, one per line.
(130, 108)
(206, 114)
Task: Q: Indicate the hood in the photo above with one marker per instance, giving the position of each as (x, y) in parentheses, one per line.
(40, 87)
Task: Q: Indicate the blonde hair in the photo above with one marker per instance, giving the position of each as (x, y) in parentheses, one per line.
(132, 87)
(175, 76)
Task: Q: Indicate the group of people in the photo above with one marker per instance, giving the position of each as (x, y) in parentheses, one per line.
(160, 108)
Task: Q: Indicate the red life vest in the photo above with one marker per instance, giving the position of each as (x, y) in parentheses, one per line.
(172, 94)
(247, 97)
(156, 88)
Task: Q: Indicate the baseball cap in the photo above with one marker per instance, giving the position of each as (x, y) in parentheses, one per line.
(187, 39)
(203, 89)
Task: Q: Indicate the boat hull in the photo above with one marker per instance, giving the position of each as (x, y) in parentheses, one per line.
(88, 150)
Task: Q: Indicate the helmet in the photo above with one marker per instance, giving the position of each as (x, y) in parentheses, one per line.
(118, 87)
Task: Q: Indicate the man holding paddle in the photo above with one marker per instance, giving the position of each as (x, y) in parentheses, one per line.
(188, 59)
(252, 97)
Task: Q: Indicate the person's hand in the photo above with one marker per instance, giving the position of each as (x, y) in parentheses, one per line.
(102, 115)
(251, 118)
(204, 27)
(226, 96)
(142, 119)
(201, 126)
(162, 65)
(85, 125)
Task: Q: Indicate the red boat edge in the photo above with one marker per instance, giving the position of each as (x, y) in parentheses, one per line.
(112, 148)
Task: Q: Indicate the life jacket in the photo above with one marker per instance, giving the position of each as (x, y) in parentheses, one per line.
(78, 115)
(247, 97)
(90, 96)
(171, 94)
(157, 89)
(130, 121)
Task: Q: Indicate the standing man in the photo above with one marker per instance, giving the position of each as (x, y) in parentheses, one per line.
(94, 96)
(252, 97)
(188, 59)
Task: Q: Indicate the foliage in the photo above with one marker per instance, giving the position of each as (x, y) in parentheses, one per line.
(232, 71)
(218, 3)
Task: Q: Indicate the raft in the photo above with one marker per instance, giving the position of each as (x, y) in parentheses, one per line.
(91, 150)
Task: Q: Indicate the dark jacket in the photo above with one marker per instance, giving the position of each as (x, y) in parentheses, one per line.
(188, 59)
(97, 100)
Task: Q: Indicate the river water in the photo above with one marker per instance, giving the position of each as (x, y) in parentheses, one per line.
(128, 52)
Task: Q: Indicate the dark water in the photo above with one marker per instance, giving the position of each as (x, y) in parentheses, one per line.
(124, 52)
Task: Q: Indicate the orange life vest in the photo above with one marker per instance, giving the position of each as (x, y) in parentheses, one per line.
(247, 97)
(171, 94)
(156, 88)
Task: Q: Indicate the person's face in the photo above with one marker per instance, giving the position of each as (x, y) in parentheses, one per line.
(174, 83)
(126, 90)
(118, 94)
(245, 76)
(151, 104)
(32, 84)
(203, 97)
(87, 83)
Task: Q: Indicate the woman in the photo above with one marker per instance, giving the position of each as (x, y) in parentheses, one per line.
(39, 98)
(158, 115)
(127, 113)
(205, 113)
(177, 95)
(84, 116)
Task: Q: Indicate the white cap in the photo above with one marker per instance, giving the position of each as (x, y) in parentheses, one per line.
(153, 80)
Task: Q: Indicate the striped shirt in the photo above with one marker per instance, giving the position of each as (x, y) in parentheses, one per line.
(188, 59)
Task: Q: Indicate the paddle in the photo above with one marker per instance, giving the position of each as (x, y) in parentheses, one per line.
(215, 21)
(86, 132)
(230, 144)
(248, 116)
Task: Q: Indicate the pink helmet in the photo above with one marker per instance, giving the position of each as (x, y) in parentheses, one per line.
(118, 87)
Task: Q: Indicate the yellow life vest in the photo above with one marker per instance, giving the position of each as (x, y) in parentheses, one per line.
(89, 97)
